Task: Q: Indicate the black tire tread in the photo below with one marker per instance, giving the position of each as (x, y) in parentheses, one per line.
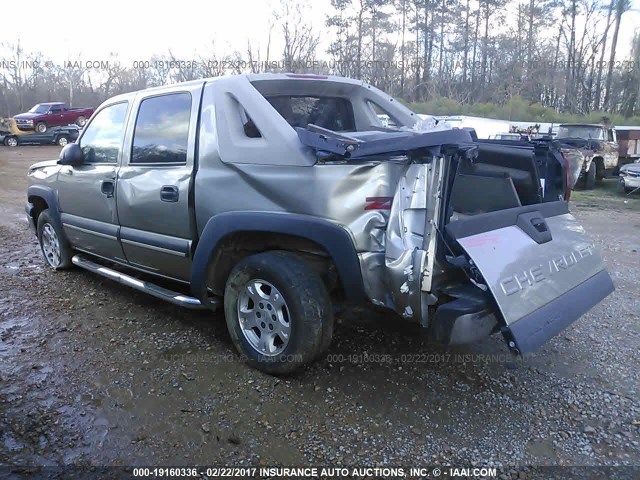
(308, 301)
(590, 177)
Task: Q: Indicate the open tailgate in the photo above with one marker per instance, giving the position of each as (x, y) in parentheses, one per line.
(540, 266)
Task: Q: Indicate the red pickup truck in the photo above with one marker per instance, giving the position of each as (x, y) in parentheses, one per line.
(54, 114)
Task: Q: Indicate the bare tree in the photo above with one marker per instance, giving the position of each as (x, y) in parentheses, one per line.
(300, 39)
(603, 48)
(622, 6)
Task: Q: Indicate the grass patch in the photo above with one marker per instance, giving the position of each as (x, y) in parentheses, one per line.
(606, 196)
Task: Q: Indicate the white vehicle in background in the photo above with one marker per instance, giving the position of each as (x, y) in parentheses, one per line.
(629, 178)
(516, 137)
(384, 119)
(485, 128)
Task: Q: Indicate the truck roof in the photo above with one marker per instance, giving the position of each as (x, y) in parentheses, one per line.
(252, 77)
(600, 125)
(50, 103)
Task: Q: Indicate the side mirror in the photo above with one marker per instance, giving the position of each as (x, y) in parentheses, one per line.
(72, 155)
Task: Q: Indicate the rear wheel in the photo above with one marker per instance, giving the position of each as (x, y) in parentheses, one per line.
(62, 140)
(590, 178)
(41, 127)
(11, 141)
(53, 243)
(278, 312)
(81, 121)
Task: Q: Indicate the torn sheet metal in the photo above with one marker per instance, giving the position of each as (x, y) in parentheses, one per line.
(410, 239)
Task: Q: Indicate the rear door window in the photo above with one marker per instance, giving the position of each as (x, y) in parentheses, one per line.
(162, 130)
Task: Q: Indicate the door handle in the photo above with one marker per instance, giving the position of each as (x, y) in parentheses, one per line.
(169, 193)
(107, 187)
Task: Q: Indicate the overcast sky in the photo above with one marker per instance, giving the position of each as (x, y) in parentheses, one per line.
(137, 29)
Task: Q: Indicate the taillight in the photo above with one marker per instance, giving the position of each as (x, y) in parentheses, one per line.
(378, 203)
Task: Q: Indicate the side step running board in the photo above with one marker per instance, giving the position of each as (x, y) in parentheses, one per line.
(152, 289)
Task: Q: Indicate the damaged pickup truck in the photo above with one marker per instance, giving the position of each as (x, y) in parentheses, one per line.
(274, 195)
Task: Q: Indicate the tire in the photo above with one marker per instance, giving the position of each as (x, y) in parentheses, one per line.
(277, 292)
(81, 121)
(600, 171)
(41, 127)
(53, 243)
(11, 141)
(62, 140)
(590, 178)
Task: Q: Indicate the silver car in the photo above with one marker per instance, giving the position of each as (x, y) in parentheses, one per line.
(275, 195)
(629, 177)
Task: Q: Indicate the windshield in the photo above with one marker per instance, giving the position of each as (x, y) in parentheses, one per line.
(39, 109)
(580, 131)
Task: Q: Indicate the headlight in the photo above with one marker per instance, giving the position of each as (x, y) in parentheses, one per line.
(623, 173)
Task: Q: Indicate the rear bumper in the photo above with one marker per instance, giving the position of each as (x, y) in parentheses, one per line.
(530, 332)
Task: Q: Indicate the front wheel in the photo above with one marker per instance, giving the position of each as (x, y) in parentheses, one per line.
(11, 141)
(63, 140)
(53, 243)
(590, 179)
(41, 127)
(278, 312)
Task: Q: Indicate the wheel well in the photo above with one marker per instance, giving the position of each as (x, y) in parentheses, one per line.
(40, 205)
(599, 161)
(236, 246)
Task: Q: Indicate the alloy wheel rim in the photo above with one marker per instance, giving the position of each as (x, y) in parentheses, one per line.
(50, 245)
(264, 317)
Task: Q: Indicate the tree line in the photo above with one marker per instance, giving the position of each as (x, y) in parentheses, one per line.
(545, 60)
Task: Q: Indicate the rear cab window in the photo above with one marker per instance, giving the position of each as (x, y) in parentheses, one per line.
(332, 113)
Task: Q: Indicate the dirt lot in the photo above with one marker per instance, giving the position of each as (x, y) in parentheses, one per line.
(94, 373)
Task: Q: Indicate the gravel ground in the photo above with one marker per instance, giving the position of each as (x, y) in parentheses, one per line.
(93, 373)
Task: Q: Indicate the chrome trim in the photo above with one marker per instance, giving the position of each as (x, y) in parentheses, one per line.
(153, 247)
(92, 232)
(152, 289)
